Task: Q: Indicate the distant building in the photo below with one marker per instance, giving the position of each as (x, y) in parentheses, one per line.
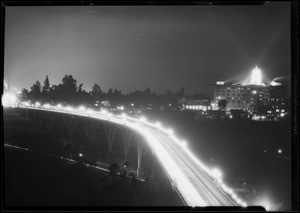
(254, 97)
(240, 97)
(192, 104)
(105, 103)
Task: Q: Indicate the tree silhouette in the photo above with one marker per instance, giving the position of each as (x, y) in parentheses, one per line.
(147, 91)
(68, 89)
(181, 92)
(69, 84)
(46, 89)
(96, 92)
(82, 97)
(24, 95)
(79, 90)
(110, 92)
(222, 104)
(35, 91)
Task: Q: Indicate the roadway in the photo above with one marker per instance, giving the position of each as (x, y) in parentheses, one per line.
(206, 186)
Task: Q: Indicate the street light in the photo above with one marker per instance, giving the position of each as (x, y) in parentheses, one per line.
(170, 131)
(216, 173)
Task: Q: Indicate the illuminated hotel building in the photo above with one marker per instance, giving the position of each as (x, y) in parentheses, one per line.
(254, 96)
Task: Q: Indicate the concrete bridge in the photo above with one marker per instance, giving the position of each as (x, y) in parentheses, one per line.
(114, 133)
(196, 184)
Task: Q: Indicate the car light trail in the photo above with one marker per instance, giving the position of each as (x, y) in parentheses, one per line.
(193, 180)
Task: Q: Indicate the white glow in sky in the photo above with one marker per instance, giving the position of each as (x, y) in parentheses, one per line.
(256, 76)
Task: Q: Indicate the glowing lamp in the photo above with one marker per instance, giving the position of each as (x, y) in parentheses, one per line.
(158, 124)
(170, 131)
(59, 106)
(143, 119)
(37, 104)
(90, 111)
(47, 106)
(216, 173)
(82, 108)
(123, 115)
(183, 143)
(104, 111)
(69, 108)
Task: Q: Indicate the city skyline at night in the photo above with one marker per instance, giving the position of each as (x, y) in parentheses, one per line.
(188, 106)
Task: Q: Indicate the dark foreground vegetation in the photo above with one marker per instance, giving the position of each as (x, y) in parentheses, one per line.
(35, 180)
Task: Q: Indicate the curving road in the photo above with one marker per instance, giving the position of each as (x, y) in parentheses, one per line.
(194, 182)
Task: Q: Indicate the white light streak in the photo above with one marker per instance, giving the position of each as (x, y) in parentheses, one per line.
(82, 108)
(256, 76)
(9, 99)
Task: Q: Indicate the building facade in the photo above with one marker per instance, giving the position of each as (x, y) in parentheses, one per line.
(252, 98)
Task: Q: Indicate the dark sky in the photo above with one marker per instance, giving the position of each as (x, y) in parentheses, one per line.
(135, 47)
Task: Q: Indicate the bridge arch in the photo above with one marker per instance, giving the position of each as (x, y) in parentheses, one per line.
(114, 131)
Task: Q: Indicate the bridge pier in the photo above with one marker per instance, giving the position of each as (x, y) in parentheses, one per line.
(90, 127)
(140, 149)
(26, 112)
(110, 131)
(49, 117)
(126, 140)
(70, 124)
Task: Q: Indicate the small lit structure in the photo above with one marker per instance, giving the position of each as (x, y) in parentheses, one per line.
(120, 108)
(105, 103)
(191, 104)
(274, 83)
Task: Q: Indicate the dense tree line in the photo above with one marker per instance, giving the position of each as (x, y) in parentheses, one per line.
(69, 93)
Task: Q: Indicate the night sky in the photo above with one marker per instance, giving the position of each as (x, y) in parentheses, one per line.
(134, 47)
